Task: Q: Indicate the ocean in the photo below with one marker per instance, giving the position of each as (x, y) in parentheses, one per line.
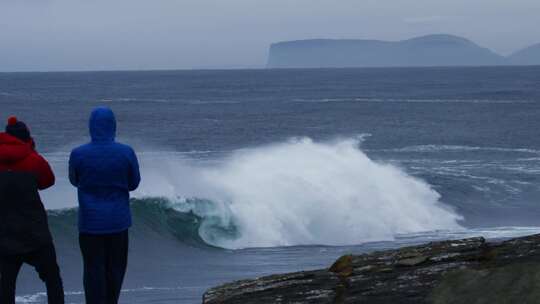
(254, 172)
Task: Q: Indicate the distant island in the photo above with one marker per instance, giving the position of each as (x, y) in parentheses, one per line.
(527, 56)
(426, 51)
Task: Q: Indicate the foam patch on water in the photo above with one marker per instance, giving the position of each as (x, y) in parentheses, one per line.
(41, 297)
(457, 148)
(489, 233)
(35, 298)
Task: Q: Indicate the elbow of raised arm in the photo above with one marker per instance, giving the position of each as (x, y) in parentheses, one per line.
(72, 172)
(73, 180)
(134, 184)
(135, 173)
(47, 182)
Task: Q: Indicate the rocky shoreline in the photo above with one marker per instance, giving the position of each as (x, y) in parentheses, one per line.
(459, 271)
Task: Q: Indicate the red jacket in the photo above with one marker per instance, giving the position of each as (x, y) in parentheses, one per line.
(18, 156)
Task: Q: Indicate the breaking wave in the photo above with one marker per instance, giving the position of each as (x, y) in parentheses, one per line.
(299, 192)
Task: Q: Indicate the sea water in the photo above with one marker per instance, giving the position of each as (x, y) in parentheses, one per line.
(255, 172)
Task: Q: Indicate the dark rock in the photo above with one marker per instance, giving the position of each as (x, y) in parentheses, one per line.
(463, 271)
(300, 287)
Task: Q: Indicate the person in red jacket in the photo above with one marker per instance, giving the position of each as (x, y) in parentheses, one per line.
(24, 229)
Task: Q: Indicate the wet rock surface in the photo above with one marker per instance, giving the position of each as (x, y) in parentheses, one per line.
(460, 271)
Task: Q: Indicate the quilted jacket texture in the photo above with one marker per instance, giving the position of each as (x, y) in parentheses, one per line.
(104, 173)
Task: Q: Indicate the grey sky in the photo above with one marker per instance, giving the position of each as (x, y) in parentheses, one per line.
(168, 34)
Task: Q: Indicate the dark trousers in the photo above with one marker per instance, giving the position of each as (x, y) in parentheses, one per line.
(44, 261)
(105, 262)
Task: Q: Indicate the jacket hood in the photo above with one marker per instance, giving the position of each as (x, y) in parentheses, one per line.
(13, 149)
(102, 125)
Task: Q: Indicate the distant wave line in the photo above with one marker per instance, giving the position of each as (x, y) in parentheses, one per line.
(408, 100)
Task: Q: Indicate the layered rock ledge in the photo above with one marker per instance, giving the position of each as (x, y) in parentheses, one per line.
(462, 271)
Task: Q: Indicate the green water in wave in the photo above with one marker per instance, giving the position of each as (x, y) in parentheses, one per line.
(155, 217)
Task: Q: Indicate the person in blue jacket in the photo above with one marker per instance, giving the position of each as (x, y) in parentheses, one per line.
(104, 173)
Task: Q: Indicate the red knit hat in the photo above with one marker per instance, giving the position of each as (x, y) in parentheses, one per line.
(12, 120)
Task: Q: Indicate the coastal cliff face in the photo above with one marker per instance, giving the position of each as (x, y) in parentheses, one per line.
(432, 50)
(527, 56)
(463, 271)
(426, 51)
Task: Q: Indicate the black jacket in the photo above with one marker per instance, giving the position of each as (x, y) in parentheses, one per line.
(23, 219)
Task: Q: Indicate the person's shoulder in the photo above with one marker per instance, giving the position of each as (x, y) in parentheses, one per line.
(124, 148)
(80, 149)
(124, 151)
(34, 157)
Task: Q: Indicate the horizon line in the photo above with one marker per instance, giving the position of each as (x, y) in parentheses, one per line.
(270, 69)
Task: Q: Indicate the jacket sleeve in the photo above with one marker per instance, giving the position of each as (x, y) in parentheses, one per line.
(134, 177)
(44, 173)
(73, 176)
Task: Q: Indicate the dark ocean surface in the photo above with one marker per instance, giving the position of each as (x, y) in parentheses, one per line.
(247, 173)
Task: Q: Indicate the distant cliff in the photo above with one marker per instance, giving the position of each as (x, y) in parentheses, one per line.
(527, 56)
(432, 50)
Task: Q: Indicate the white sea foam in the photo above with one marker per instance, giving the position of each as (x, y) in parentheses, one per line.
(40, 297)
(34, 298)
(490, 233)
(457, 148)
(303, 192)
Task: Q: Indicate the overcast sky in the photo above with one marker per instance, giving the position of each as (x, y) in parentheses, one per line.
(170, 34)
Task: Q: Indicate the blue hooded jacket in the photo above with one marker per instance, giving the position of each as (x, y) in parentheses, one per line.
(104, 173)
